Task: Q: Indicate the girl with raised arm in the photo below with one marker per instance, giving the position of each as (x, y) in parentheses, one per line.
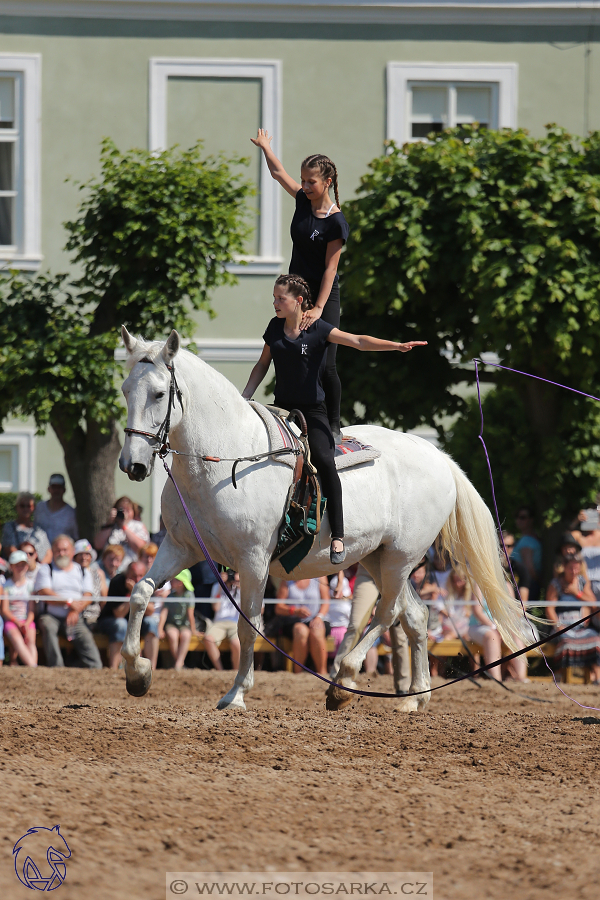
(319, 231)
(299, 356)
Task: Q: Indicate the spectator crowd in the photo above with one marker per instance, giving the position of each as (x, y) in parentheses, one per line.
(56, 584)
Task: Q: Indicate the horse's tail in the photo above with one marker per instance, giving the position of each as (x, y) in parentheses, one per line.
(469, 537)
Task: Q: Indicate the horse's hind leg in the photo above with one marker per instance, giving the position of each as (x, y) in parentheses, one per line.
(252, 592)
(170, 560)
(413, 618)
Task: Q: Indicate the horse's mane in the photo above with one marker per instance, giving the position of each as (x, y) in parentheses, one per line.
(147, 350)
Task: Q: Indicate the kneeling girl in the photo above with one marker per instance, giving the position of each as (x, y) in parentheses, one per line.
(299, 359)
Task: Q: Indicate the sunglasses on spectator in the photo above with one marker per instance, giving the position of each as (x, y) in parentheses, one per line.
(508, 546)
(30, 552)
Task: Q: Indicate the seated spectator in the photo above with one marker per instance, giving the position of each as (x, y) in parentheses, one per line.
(450, 605)
(581, 645)
(85, 555)
(177, 619)
(440, 568)
(519, 571)
(590, 553)
(482, 631)
(111, 561)
(54, 515)
(425, 585)
(66, 581)
(18, 611)
(33, 564)
(305, 622)
(147, 555)
(23, 529)
(340, 608)
(113, 617)
(528, 550)
(124, 530)
(224, 624)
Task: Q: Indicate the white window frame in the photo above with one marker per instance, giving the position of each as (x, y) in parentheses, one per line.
(503, 77)
(269, 259)
(22, 439)
(26, 69)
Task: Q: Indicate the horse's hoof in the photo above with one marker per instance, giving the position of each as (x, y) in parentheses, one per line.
(139, 678)
(235, 702)
(334, 705)
(409, 704)
(337, 698)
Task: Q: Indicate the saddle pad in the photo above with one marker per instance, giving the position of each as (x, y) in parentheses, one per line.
(351, 452)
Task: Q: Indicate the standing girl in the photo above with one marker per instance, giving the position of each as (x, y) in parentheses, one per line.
(319, 231)
(299, 357)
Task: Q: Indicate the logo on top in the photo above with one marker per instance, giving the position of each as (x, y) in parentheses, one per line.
(314, 234)
(39, 858)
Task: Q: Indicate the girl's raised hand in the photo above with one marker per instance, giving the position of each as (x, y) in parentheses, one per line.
(262, 139)
(404, 348)
(310, 316)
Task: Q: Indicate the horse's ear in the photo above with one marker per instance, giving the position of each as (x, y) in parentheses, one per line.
(128, 339)
(171, 348)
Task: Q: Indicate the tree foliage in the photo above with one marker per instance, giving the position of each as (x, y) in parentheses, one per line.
(152, 238)
(483, 241)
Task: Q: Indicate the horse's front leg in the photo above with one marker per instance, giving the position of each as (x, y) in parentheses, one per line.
(171, 559)
(252, 588)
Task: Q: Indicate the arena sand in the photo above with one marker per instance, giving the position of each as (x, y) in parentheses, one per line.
(497, 795)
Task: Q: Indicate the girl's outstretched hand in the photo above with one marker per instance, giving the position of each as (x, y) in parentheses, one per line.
(263, 139)
(310, 316)
(404, 348)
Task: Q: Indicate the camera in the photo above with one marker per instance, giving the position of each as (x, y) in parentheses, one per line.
(120, 516)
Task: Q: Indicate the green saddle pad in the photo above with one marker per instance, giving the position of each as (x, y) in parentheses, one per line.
(294, 544)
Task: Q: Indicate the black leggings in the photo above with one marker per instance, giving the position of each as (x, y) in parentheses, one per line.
(322, 451)
(329, 377)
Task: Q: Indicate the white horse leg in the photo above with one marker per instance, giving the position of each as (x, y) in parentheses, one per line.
(413, 618)
(171, 559)
(252, 588)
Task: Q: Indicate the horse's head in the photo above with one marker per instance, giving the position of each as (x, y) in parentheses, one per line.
(147, 391)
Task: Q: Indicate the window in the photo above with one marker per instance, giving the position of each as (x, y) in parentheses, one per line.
(251, 84)
(426, 97)
(20, 237)
(17, 459)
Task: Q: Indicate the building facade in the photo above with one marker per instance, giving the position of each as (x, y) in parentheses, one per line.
(336, 77)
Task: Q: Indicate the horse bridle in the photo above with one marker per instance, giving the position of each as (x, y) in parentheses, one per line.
(162, 435)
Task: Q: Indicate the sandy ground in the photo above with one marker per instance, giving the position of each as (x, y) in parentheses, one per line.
(494, 793)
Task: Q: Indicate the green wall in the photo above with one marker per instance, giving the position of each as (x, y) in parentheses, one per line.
(95, 83)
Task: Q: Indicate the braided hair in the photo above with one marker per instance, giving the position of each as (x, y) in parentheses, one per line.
(296, 286)
(326, 168)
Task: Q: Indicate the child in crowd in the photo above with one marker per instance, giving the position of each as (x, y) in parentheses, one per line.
(177, 619)
(18, 611)
(224, 624)
(340, 607)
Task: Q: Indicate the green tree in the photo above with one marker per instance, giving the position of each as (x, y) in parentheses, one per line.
(152, 239)
(481, 241)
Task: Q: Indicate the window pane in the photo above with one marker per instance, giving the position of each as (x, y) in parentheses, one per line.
(6, 466)
(430, 104)
(7, 102)
(6, 220)
(6, 165)
(422, 129)
(473, 104)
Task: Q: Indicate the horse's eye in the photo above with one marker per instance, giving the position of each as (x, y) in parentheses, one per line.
(160, 395)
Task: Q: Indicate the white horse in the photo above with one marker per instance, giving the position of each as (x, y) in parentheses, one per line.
(394, 508)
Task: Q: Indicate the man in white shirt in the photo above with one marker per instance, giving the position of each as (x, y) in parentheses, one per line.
(54, 515)
(72, 587)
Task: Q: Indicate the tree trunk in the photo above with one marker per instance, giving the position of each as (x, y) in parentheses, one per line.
(91, 457)
(543, 409)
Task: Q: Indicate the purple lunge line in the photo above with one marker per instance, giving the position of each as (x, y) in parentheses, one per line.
(480, 436)
(537, 377)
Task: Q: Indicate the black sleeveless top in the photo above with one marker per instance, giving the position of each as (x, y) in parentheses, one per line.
(310, 236)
